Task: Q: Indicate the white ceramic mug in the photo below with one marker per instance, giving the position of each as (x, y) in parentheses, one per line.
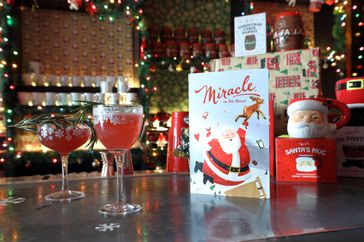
(309, 117)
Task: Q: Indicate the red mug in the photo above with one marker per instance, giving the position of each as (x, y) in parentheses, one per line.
(309, 117)
(176, 163)
(351, 91)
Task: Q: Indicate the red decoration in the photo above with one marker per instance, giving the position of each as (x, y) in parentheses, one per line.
(11, 2)
(152, 68)
(75, 4)
(143, 46)
(330, 2)
(91, 8)
(316, 5)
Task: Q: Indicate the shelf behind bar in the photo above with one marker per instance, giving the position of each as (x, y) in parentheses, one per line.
(57, 89)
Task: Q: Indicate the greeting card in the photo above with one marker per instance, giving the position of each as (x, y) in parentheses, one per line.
(229, 133)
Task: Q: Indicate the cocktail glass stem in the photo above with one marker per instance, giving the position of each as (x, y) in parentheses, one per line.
(64, 160)
(120, 207)
(65, 194)
(119, 158)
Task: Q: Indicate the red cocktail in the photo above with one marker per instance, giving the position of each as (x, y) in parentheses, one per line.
(122, 133)
(63, 140)
(118, 128)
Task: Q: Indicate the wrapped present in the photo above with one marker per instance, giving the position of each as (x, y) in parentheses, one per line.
(292, 74)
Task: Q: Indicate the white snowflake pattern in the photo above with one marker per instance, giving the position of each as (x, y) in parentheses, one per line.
(111, 115)
(50, 131)
(76, 132)
(68, 133)
(107, 227)
(59, 133)
(11, 200)
(43, 133)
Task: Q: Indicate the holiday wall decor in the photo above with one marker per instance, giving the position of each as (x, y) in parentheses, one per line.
(229, 133)
(69, 43)
(181, 37)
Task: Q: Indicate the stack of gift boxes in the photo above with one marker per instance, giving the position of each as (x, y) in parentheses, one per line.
(295, 75)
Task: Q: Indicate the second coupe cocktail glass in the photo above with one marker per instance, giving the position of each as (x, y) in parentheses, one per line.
(118, 127)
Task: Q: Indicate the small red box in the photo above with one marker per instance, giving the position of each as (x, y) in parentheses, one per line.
(306, 160)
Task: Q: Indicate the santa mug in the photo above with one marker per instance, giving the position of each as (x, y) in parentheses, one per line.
(309, 117)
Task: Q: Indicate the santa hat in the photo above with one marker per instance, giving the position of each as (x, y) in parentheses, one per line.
(306, 104)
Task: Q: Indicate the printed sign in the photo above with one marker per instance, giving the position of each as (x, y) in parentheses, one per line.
(229, 133)
(250, 35)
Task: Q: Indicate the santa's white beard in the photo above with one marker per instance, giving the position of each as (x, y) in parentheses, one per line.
(307, 130)
(230, 146)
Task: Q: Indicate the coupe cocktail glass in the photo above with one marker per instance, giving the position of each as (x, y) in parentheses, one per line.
(118, 127)
(63, 139)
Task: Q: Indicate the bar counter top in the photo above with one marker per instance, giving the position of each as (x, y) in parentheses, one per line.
(295, 212)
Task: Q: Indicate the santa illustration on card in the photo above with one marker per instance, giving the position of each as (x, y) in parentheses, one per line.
(226, 156)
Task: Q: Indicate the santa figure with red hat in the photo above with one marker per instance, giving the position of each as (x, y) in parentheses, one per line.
(308, 118)
(226, 156)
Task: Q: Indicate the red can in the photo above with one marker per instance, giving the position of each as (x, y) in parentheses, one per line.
(206, 36)
(197, 50)
(219, 36)
(288, 31)
(211, 51)
(157, 49)
(180, 34)
(184, 50)
(192, 35)
(223, 50)
(176, 163)
(171, 49)
(166, 34)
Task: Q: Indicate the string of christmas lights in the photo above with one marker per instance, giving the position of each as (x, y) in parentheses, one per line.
(8, 67)
(358, 38)
(335, 55)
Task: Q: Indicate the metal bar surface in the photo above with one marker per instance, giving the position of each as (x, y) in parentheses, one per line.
(171, 213)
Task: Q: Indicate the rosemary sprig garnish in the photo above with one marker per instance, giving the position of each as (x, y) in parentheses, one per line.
(75, 117)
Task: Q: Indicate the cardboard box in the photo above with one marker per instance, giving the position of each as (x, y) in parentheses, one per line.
(292, 74)
(306, 160)
(350, 151)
